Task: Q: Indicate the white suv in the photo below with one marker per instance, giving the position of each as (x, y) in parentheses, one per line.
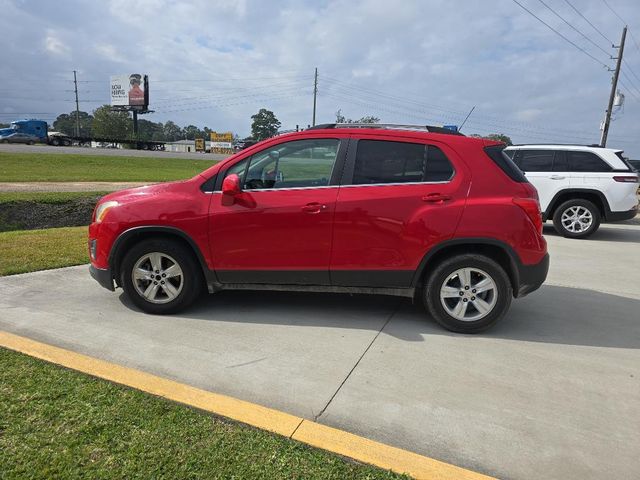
(579, 186)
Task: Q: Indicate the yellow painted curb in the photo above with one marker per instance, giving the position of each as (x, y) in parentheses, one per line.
(306, 431)
(379, 454)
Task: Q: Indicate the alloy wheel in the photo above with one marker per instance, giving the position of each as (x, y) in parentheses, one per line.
(469, 294)
(576, 219)
(157, 277)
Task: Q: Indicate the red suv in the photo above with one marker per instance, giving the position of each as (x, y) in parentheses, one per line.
(392, 210)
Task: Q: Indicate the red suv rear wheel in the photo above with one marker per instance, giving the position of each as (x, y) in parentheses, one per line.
(468, 293)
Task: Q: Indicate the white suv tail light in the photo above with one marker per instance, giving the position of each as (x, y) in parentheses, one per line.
(626, 178)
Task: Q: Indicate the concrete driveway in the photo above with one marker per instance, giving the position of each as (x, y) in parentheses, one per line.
(551, 392)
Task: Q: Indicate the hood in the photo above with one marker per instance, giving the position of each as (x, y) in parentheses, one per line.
(146, 192)
(6, 131)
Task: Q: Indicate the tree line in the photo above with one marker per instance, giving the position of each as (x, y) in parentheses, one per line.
(108, 123)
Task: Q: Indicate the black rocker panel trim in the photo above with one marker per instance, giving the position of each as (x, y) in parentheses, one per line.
(338, 278)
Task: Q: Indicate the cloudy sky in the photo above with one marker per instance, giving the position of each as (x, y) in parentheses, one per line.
(215, 63)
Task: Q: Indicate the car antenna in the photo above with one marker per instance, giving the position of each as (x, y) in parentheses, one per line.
(467, 117)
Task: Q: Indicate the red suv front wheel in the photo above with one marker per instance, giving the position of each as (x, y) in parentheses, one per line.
(160, 276)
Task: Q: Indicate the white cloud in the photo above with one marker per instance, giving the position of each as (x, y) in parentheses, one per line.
(528, 114)
(109, 52)
(53, 44)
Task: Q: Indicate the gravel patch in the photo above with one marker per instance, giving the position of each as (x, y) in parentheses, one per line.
(35, 215)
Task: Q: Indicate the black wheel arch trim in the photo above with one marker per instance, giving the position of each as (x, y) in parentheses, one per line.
(518, 272)
(209, 275)
(553, 204)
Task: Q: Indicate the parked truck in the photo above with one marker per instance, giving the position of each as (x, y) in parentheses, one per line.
(37, 131)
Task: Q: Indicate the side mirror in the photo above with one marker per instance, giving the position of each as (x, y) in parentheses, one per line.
(231, 186)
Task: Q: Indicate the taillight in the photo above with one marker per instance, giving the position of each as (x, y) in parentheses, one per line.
(532, 209)
(626, 179)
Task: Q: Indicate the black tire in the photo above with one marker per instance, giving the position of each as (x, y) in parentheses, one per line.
(445, 270)
(55, 142)
(579, 203)
(192, 277)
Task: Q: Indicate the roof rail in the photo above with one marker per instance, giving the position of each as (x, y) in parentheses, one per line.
(390, 126)
(551, 144)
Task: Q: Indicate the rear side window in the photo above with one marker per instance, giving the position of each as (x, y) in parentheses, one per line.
(536, 160)
(626, 161)
(587, 162)
(379, 161)
(503, 160)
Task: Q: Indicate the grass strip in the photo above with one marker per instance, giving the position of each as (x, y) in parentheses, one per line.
(57, 423)
(30, 250)
(54, 167)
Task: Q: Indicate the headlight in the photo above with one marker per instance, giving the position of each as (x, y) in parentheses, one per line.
(103, 208)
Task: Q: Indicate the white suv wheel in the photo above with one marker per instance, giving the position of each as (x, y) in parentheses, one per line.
(577, 218)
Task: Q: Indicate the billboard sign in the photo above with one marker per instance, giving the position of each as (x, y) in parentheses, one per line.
(222, 142)
(130, 90)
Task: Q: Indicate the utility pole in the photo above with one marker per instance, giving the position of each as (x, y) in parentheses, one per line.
(315, 95)
(614, 86)
(75, 83)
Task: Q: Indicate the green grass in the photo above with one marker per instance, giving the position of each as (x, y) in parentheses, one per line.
(44, 167)
(57, 423)
(46, 197)
(30, 250)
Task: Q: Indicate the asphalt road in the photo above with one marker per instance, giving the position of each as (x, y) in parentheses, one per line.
(20, 148)
(553, 391)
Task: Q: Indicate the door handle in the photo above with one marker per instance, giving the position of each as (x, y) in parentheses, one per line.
(314, 207)
(436, 198)
(557, 177)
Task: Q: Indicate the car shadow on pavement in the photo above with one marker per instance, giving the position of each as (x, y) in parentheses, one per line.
(604, 234)
(553, 314)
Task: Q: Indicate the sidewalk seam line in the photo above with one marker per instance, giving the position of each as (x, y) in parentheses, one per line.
(316, 417)
(296, 429)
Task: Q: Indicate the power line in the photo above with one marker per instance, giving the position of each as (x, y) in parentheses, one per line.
(545, 136)
(207, 107)
(449, 114)
(614, 12)
(349, 93)
(634, 41)
(628, 89)
(560, 34)
(575, 29)
(630, 80)
(630, 70)
(587, 20)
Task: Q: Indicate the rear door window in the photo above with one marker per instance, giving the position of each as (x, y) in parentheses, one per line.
(560, 163)
(587, 162)
(536, 160)
(384, 162)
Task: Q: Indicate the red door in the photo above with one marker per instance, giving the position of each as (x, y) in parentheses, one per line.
(278, 230)
(400, 197)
